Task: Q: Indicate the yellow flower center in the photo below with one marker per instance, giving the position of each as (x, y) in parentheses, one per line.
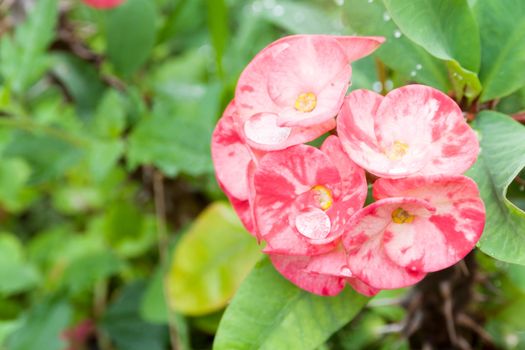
(306, 102)
(323, 196)
(397, 151)
(401, 216)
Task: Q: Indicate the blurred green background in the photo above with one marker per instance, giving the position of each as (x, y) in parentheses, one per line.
(109, 208)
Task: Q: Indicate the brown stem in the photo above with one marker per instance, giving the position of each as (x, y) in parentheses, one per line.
(381, 75)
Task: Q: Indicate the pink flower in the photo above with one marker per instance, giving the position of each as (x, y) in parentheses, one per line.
(292, 90)
(103, 4)
(417, 225)
(414, 130)
(234, 165)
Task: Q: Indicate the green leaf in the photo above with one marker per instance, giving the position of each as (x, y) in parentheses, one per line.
(176, 138)
(80, 79)
(126, 328)
(15, 273)
(41, 327)
(110, 118)
(501, 158)
(268, 312)
(22, 58)
(297, 17)
(218, 27)
(153, 307)
(397, 52)
(14, 174)
(130, 34)
(502, 29)
(210, 261)
(446, 29)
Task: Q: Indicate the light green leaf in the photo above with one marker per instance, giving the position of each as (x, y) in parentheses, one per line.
(501, 159)
(210, 261)
(130, 34)
(103, 156)
(110, 117)
(176, 138)
(297, 17)
(397, 52)
(22, 58)
(268, 312)
(14, 174)
(502, 29)
(41, 327)
(16, 275)
(218, 27)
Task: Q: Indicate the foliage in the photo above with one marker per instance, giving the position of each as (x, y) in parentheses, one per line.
(105, 171)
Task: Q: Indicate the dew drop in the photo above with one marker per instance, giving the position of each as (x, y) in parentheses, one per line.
(413, 73)
(269, 4)
(313, 223)
(339, 2)
(278, 11)
(377, 86)
(370, 1)
(419, 66)
(262, 128)
(389, 85)
(386, 17)
(397, 34)
(345, 271)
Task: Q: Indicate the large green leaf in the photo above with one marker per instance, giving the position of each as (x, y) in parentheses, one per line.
(268, 312)
(130, 34)
(398, 52)
(210, 261)
(446, 29)
(502, 157)
(502, 29)
(22, 58)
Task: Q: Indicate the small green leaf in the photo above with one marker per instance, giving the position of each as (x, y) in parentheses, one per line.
(153, 307)
(397, 52)
(210, 261)
(110, 118)
(22, 58)
(218, 27)
(14, 174)
(16, 275)
(125, 327)
(502, 29)
(130, 34)
(501, 158)
(41, 327)
(268, 312)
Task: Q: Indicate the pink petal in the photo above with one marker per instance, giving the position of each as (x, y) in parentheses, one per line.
(361, 287)
(294, 268)
(230, 155)
(356, 47)
(103, 4)
(354, 187)
(445, 237)
(417, 130)
(364, 240)
(429, 120)
(282, 184)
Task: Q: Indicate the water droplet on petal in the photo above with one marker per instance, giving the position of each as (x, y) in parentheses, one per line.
(278, 11)
(397, 34)
(313, 223)
(345, 271)
(262, 128)
(419, 66)
(386, 17)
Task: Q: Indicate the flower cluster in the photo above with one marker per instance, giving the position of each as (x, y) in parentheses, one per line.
(306, 203)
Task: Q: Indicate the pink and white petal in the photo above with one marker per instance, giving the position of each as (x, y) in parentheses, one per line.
(307, 65)
(447, 235)
(363, 242)
(355, 126)
(361, 287)
(297, 136)
(230, 155)
(356, 47)
(329, 100)
(331, 263)
(431, 124)
(293, 268)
